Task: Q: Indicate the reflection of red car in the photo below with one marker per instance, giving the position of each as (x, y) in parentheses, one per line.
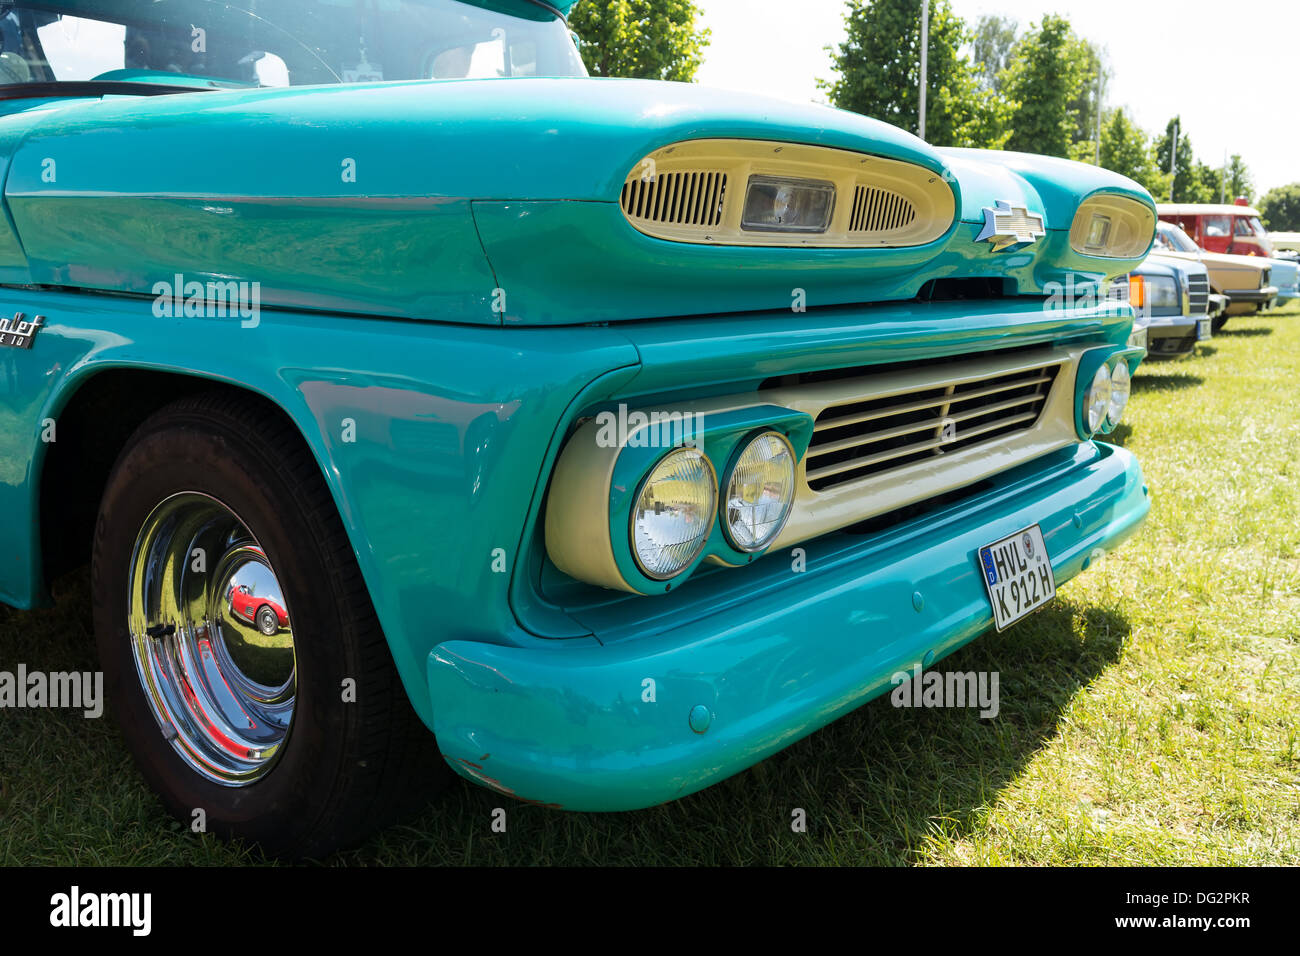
(263, 613)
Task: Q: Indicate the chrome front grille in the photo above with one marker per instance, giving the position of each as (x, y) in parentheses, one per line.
(676, 199)
(1198, 294)
(857, 439)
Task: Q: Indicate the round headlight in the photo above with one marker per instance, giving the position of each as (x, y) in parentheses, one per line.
(1098, 398)
(760, 490)
(674, 513)
(1120, 385)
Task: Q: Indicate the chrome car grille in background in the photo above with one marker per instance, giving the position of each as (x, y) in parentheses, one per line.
(1198, 294)
(676, 199)
(857, 439)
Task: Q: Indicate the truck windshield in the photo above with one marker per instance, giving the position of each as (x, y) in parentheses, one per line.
(1172, 239)
(281, 42)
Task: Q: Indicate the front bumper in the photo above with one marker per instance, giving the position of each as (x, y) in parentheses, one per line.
(573, 727)
(1174, 336)
(1252, 296)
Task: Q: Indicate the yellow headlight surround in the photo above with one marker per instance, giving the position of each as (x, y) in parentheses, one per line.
(1113, 227)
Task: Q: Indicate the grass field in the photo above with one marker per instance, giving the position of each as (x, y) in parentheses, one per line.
(1148, 717)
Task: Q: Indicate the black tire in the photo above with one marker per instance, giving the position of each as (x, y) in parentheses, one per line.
(1217, 323)
(344, 768)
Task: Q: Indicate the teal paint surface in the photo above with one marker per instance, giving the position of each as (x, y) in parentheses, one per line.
(397, 199)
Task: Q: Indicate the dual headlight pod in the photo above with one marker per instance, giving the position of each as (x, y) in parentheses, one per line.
(1105, 383)
(673, 515)
(641, 512)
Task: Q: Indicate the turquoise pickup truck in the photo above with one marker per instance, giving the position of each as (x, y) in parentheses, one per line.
(420, 402)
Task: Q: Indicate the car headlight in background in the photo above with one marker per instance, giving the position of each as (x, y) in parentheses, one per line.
(1097, 399)
(760, 491)
(674, 513)
(777, 204)
(1120, 386)
(1112, 227)
(1161, 292)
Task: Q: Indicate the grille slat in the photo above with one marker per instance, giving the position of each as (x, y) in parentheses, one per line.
(1198, 294)
(879, 210)
(825, 423)
(676, 198)
(853, 440)
(933, 444)
(902, 430)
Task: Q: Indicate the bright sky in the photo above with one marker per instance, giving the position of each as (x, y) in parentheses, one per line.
(1229, 67)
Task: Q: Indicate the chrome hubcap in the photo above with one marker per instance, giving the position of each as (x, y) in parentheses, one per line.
(212, 639)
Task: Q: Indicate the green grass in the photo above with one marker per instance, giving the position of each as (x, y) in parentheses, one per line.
(1149, 717)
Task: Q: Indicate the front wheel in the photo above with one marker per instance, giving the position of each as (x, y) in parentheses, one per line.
(300, 738)
(1217, 323)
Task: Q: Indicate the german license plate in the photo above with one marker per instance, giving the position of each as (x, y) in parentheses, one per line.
(1203, 330)
(1018, 575)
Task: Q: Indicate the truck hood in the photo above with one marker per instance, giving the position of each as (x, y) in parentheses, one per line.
(485, 201)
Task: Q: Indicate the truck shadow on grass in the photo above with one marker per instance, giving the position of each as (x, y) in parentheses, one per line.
(874, 786)
(1164, 378)
(1246, 333)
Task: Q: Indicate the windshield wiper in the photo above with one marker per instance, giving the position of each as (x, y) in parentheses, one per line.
(74, 88)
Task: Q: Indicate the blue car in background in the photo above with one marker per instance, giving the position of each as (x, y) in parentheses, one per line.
(1286, 276)
(1173, 305)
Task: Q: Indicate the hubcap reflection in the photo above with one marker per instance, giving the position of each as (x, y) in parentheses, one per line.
(212, 639)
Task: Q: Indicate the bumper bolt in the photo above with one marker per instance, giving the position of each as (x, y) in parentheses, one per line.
(700, 718)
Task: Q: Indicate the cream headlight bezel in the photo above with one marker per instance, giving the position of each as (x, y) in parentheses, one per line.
(596, 486)
(1132, 227)
(932, 200)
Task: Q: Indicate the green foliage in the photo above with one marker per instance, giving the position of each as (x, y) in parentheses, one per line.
(643, 39)
(1045, 82)
(879, 67)
(1190, 184)
(1126, 150)
(991, 46)
(1280, 208)
(1240, 182)
(1090, 76)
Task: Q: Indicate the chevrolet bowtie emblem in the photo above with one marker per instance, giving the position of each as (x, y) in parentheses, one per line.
(1006, 225)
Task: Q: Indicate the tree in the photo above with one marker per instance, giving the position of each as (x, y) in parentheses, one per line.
(879, 73)
(1280, 208)
(1043, 81)
(1086, 101)
(1239, 180)
(1189, 185)
(991, 47)
(1126, 150)
(643, 39)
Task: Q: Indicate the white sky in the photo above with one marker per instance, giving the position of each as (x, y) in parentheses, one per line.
(1231, 68)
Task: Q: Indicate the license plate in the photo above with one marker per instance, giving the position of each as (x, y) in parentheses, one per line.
(1018, 575)
(1203, 331)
